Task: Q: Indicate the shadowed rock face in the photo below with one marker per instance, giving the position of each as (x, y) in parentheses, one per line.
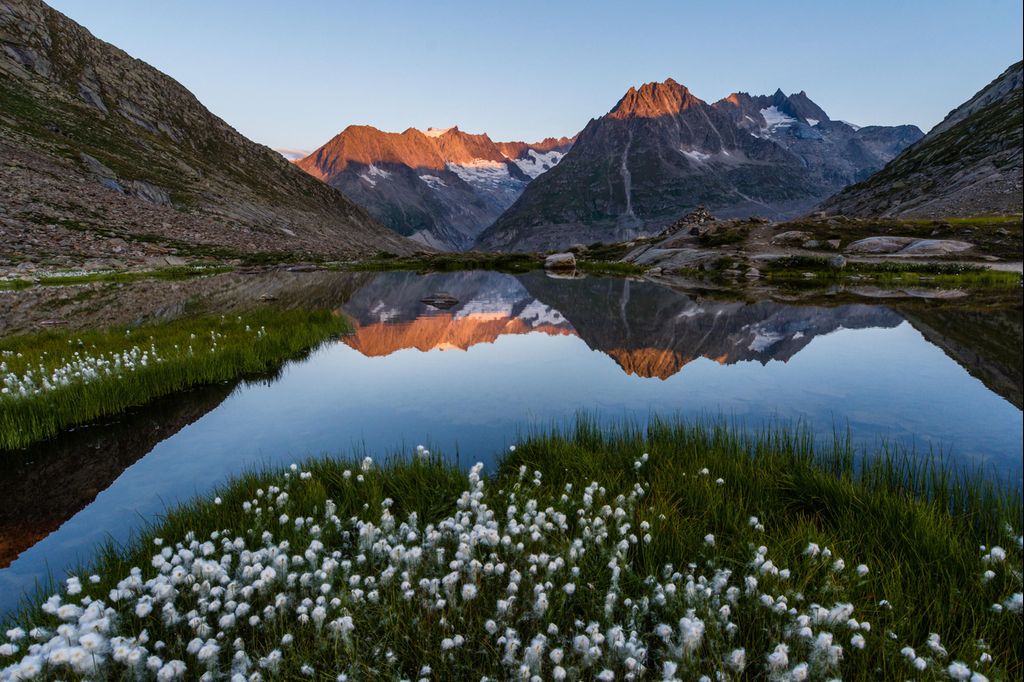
(107, 158)
(440, 187)
(661, 151)
(44, 486)
(970, 164)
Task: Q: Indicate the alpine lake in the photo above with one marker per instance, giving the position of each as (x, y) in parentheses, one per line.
(463, 362)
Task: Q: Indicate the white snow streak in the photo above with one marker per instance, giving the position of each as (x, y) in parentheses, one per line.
(538, 162)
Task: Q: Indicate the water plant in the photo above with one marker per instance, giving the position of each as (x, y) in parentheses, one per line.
(57, 379)
(689, 551)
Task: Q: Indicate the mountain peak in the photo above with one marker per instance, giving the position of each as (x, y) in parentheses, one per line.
(654, 99)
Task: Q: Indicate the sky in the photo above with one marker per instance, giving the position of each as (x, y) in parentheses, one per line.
(294, 74)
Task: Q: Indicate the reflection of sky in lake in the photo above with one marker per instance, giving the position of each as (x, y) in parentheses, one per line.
(886, 383)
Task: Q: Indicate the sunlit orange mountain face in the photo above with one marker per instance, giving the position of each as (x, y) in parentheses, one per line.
(441, 186)
(389, 314)
(654, 332)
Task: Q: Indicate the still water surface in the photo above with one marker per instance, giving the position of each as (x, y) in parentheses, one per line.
(522, 351)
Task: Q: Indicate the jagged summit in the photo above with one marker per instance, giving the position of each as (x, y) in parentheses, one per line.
(653, 100)
(437, 132)
(753, 112)
(662, 151)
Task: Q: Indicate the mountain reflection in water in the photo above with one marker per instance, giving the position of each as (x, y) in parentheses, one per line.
(513, 352)
(648, 329)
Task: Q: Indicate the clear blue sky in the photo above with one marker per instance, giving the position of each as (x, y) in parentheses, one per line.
(294, 73)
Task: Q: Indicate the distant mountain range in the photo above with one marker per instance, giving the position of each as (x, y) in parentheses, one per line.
(967, 165)
(440, 187)
(661, 151)
(108, 161)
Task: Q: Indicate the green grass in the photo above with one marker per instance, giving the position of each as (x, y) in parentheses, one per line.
(448, 262)
(792, 269)
(972, 221)
(610, 268)
(916, 526)
(511, 263)
(190, 352)
(118, 276)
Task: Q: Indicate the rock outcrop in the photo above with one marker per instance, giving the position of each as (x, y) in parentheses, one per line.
(970, 164)
(96, 146)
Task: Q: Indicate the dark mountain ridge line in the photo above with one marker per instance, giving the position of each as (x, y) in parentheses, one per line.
(970, 164)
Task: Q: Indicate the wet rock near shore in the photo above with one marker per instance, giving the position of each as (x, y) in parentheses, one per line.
(560, 261)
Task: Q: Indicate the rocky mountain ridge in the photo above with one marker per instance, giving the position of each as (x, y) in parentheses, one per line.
(440, 187)
(109, 161)
(661, 151)
(970, 164)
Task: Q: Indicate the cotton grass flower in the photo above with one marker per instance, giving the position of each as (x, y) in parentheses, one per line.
(495, 570)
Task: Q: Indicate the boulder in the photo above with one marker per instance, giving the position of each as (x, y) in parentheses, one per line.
(790, 238)
(560, 261)
(908, 246)
(936, 247)
(838, 262)
(879, 245)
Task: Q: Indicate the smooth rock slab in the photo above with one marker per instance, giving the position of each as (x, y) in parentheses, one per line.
(908, 246)
(936, 247)
(879, 245)
(790, 238)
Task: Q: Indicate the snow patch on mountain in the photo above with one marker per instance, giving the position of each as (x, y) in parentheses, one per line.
(436, 132)
(537, 313)
(372, 172)
(763, 340)
(433, 181)
(486, 309)
(695, 156)
(482, 173)
(774, 118)
(538, 162)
